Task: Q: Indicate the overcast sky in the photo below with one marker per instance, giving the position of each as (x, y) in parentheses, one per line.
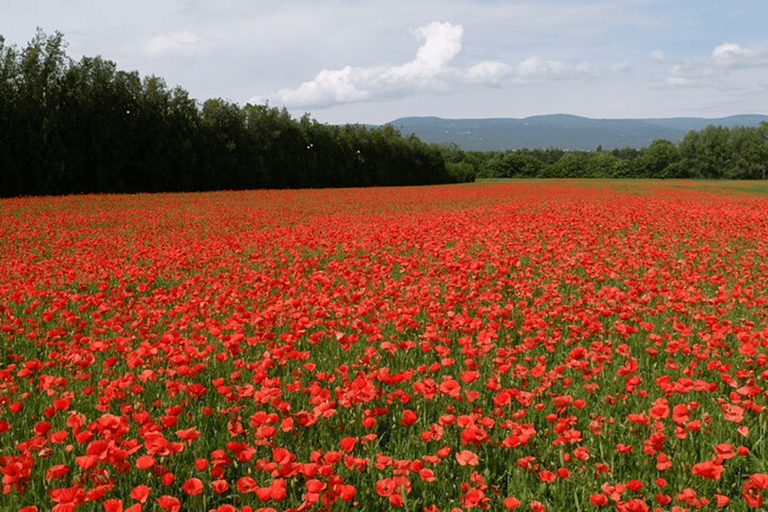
(350, 61)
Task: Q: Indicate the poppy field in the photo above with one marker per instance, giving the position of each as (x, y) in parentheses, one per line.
(529, 345)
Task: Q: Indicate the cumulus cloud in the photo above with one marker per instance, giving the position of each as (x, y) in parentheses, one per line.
(713, 70)
(175, 41)
(489, 72)
(535, 69)
(442, 43)
(734, 56)
(430, 70)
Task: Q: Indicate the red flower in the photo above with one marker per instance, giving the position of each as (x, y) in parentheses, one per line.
(640, 419)
(753, 489)
(220, 486)
(145, 462)
(346, 492)
(113, 505)
(598, 500)
(409, 417)
(140, 493)
(636, 505)
(169, 503)
(466, 457)
(733, 413)
(758, 481)
(87, 462)
(246, 484)
(385, 487)
(68, 495)
(427, 475)
(546, 476)
(660, 409)
(264, 493)
(709, 469)
(57, 471)
(314, 485)
(192, 486)
(348, 443)
(189, 434)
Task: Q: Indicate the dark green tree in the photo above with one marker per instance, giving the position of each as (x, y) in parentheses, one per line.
(706, 153)
(658, 160)
(573, 164)
(602, 164)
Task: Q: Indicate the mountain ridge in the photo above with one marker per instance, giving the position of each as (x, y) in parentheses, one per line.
(565, 131)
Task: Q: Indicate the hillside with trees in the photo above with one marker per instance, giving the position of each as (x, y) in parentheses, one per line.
(716, 152)
(564, 131)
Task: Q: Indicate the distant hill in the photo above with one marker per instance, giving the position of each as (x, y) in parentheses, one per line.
(560, 130)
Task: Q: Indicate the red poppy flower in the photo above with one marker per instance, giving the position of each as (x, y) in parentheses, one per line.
(192, 486)
(113, 505)
(708, 469)
(57, 471)
(409, 417)
(145, 462)
(346, 492)
(169, 503)
(348, 443)
(385, 487)
(466, 457)
(140, 493)
(546, 476)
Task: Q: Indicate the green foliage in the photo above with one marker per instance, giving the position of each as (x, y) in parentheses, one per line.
(659, 160)
(750, 152)
(627, 153)
(69, 127)
(712, 153)
(605, 165)
(706, 154)
(461, 172)
(512, 164)
(573, 164)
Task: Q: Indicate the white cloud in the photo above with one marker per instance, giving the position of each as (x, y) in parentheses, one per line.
(534, 69)
(442, 43)
(175, 41)
(727, 52)
(714, 70)
(431, 70)
(691, 75)
(658, 55)
(489, 72)
(329, 86)
(735, 56)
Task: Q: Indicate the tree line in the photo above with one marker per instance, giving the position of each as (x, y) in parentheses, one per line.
(716, 152)
(79, 127)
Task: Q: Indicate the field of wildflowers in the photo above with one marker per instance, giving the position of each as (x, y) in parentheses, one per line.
(559, 345)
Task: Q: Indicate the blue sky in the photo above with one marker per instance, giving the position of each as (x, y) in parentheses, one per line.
(371, 61)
